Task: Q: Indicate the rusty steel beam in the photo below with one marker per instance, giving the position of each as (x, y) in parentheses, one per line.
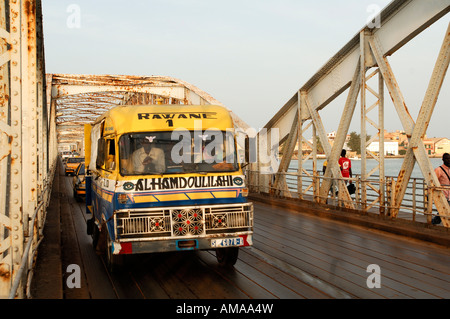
(408, 124)
(400, 21)
(341, 135)
(25, 166)
(16, 206)
(288, 151)
(81, 99)
(415, 150)
(367, 62)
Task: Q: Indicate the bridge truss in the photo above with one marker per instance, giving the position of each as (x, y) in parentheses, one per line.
(26, 169)
(38, 111)
(362, 69)
(80, 99)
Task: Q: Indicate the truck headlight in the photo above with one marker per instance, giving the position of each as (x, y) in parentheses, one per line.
(122, 198)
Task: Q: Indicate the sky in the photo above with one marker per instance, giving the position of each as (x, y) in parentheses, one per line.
(251, 55)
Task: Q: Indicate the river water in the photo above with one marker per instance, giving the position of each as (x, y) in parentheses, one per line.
(392, 166)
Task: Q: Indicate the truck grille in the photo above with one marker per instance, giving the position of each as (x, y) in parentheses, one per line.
(186, 221)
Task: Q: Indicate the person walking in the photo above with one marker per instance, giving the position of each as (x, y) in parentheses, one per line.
(346, 171)
(346, 166)
(443, 175)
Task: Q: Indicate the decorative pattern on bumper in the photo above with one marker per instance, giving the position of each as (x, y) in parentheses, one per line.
(183, 221)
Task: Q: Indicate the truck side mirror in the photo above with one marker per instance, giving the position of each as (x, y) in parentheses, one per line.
(111, 166)
(247, 149)
(100, 153)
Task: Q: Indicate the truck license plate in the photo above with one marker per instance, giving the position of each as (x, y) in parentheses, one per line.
(227, 242)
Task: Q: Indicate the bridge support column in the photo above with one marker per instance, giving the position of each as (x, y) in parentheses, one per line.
(366, 63)
(22, 126)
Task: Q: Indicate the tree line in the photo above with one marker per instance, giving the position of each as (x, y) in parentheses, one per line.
(354, 143)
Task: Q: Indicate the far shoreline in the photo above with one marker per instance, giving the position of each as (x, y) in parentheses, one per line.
(322, 156)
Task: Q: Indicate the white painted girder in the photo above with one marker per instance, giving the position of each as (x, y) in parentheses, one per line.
(400, 22)
(67, 90)
(81, 99)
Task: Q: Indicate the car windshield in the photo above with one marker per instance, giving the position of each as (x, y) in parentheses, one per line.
(81, 169)
(75, 160)
(180, 151)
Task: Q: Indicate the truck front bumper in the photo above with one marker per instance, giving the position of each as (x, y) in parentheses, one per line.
(183, 228)
(142, 247)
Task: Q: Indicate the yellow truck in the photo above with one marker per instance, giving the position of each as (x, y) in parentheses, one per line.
(79, 182)
(71, 165)
(166, 178)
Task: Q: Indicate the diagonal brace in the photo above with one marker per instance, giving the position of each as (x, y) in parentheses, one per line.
(417, 151)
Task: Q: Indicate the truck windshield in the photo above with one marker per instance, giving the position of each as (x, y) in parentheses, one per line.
(75, 160)
(175, 152)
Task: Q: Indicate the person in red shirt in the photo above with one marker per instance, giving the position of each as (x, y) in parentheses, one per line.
(346, 166)
(443, 175)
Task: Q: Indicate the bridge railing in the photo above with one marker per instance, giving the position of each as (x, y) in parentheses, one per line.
(33, 236)
(417, 203)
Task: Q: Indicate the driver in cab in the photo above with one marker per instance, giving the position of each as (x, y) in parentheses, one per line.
(148, 158)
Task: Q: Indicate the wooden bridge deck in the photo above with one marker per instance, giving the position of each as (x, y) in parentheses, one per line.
(295, 255)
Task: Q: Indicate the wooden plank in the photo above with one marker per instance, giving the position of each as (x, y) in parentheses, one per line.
(145, 279)
(100, 286)
(243, 280)
(47, 279)
(204, 281)
(70, 253)
(326, 272)
(302, 289)
(355, 262)
(322, 246)
(157, 265)
(396, 267)
(411, 249)
(417, 252)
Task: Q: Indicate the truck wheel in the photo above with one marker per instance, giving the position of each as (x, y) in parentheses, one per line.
(92, 230)
(75, 195)
(99, 239)
(113, 262)
(227, 256)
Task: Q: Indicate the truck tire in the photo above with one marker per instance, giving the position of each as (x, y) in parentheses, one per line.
(114, 263)
(75, 195)
(227, 256)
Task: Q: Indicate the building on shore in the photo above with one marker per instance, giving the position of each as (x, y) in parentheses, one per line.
(437, 145)
(395, 143)
(390, 148)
